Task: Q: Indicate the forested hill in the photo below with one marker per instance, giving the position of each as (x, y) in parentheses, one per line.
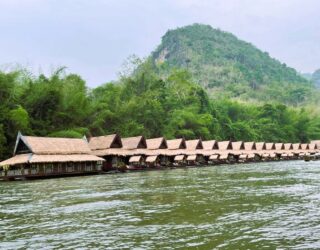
(222, 63)
(316, 78)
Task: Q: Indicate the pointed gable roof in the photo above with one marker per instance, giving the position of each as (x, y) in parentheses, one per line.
(224, 145)
(279, 146)
(210, 145)
(134, 142)
(313, 146)
(317, 142)
(261, 146)
(157, 143)
(288, 146)
(105, 142)
(250, 146)
(238, 145)
(304, 146)
(50, 145)
(296, 146)
(177, 144)
(194, 144)
(270, 146)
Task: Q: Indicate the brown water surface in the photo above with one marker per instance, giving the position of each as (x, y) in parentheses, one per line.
(250, 206)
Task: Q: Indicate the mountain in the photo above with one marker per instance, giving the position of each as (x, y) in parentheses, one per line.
(228, 66)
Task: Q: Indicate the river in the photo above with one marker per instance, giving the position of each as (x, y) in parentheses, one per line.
(248, 206)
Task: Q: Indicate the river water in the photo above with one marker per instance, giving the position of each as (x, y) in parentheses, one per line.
(249, 206)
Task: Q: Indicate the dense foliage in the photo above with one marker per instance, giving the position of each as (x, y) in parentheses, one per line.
(62, 105)
(229, 67)
(316, 78)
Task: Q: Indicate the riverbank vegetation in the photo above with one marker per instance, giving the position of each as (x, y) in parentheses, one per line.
(139, 103)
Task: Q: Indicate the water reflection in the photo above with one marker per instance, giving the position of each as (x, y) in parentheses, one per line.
(251, 206)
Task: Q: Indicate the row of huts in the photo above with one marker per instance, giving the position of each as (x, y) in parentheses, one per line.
(42, 157)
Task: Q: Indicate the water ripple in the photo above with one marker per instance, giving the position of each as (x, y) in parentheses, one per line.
(249, 206)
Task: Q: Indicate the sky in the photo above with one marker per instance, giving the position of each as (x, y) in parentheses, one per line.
(93, 38)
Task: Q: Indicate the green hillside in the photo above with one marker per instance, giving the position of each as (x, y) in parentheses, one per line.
(316, 78)
(222, 63)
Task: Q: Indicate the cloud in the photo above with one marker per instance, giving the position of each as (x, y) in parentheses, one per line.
(93, 38)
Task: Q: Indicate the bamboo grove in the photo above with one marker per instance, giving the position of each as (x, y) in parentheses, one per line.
(142, 103)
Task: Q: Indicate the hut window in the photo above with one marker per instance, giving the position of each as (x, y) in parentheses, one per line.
(10, 172)
(99, 165)
(64, 167)
(55, 167)
(70, 167)
(48, 168)
(59, 167)
(76, 166)
(94, 165)
(83, 166)
(34, 169)
(88, 166)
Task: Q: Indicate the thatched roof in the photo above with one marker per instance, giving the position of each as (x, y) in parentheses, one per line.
(105, 142)
(270, 146)
(179, 157)
(174, 152)
(304, 146)
(210, 145)
(243, 156)
(194, 144)
(224, 145)
(313, 146)
(176, 144)
(110, 151)
(223, 156)
(136, 158)
(251, 156)
(260, 146)
(191, 157)
(63, 158)
(250, 146)
(16, 160)
(203, 152)
(296, 146)
(238, 145)
(152, 158)
(31, 149)
(213, 157)
(157, 143)
(33, 158)
(134, 142)
(288, 146)
(317, 142)
(50, 146)
(273, 155)
(279, 146)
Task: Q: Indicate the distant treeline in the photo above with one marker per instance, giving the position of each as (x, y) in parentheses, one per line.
(62, 105)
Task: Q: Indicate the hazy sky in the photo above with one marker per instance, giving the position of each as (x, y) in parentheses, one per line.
(94, 37)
